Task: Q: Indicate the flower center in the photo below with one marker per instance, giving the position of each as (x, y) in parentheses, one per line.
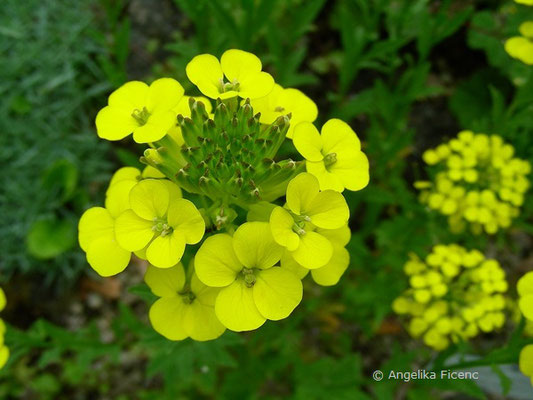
(330, 159)
(141, 116)
(229, 86)
(162, 227)
(298, 228)
(248, 276)
(187, 296)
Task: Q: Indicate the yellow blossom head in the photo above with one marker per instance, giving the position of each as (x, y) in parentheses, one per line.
(238, 73)
(4, 351)
(334, 155)
(525, 293)
(146, 111)
(454, 295)
(526, 361)
(477, 181)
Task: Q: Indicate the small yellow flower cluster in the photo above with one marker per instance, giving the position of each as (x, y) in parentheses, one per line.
(477, 181)
(240, 271)
(521, 47)
(4, 351)
(525, 303)
(454, 295)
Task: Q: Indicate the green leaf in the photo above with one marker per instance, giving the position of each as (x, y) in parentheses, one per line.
(50, 237)
(61, 177)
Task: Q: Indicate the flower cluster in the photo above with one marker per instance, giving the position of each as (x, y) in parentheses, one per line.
(521, 47)
(476, 182)
(454, 295)
(525, 303)
(4, 351)
(225, 250)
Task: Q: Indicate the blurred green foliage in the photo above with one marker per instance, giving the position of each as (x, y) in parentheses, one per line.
(51, 159)
(406, 74)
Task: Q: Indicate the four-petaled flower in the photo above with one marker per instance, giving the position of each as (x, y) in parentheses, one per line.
(253, 288)
(308, 208)
(334, 156)
(159, 221)
(282, 101)
(185, 308)
(242, 70)
(146, 111)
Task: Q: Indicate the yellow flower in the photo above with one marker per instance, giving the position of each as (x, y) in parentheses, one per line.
(161, 221)
(477, 181)
(526, 361)
(282, 101)
(525, 291)
(241, 69)
(334, 156)
(521, 47)
(453, 295)
(147, 112)
(526, 2)
(185, 309)
(4, 351)
(254, 289)
(329, 274)
(308, 209)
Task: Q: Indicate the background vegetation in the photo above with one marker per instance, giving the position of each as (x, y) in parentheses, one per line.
(406, 74)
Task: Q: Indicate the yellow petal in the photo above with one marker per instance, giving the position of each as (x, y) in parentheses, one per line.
(340, 236)
(268, 105)
(520, 48)
(338, 136)
(174, 190)
(118, 197)
(132, 232)
(526, 306)
(114, 123)
(277, 292)
(201, 322)
(326, 179)
(205, 295)
(281, 224)
(167, 318)
(307, 141)
(2, 300)
(132, 95)
(328, 210)
(238, 65)
(106, 257)
(255, 86)
(184, 109)
(255, 247)
(164, 94)
(329, 274)
(302, 108)
(156, 127)
(288, 262)
(185, 218)
(166, 251)
(206, 73)
(525, 284)
(526, 29)
(4, 356)
(165, 282)
(125, 174)
(151, 172)
(216, 263)
(352, 170)
(526, 360)
(301, 191)
(235, 308)
(314, 251)
(94, 223)
(149, 199)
